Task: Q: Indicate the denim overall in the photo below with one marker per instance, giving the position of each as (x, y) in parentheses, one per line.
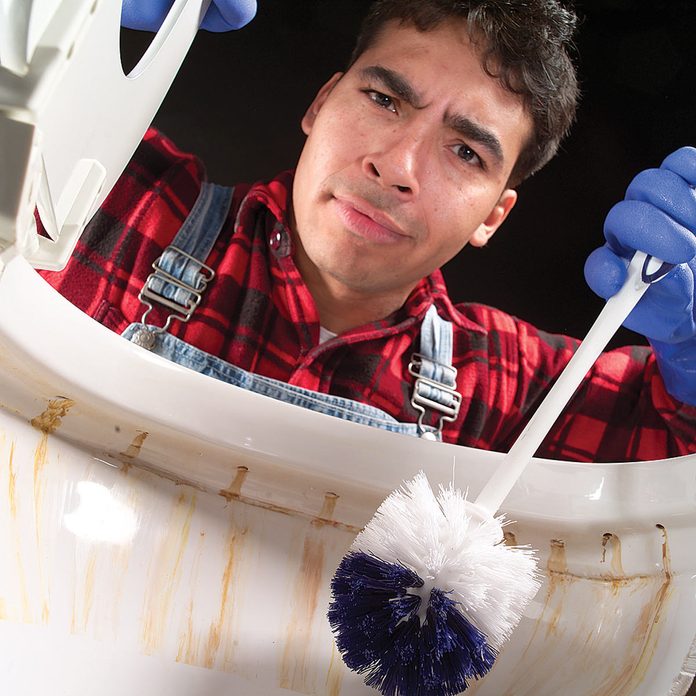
(178, 282)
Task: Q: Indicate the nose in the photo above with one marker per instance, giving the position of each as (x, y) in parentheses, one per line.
(394, 165)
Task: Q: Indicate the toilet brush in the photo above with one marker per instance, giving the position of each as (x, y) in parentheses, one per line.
(429, 592)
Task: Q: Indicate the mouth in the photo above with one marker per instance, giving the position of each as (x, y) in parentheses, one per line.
(364, 220)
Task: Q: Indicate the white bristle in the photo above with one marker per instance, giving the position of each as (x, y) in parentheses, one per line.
(444, 539)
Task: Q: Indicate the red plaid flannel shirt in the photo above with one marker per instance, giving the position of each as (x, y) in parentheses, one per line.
(258, 314)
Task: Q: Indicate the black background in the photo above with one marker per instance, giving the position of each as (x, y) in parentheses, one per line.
(239, 97)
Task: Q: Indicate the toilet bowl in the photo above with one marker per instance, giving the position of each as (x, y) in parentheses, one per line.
(164, 532)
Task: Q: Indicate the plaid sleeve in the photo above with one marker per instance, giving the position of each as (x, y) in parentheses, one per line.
(621, 412)
(136, 221)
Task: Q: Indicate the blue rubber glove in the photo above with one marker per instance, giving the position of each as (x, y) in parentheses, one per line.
(222, 15)
(658, 216)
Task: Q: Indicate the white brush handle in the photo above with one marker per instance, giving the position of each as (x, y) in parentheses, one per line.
(609, 320)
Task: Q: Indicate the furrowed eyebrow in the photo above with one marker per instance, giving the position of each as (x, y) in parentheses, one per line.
(473, 131)
(400, 87)
(397, 84)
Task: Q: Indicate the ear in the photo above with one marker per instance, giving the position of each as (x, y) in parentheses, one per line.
(314, 108)
(495, 218)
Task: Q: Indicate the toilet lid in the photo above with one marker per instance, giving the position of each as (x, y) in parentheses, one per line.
(70, 118)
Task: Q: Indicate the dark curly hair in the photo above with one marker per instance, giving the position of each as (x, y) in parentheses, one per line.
(526, 44)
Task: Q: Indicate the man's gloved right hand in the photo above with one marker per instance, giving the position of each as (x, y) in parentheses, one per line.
(658, 216)
(222, 15)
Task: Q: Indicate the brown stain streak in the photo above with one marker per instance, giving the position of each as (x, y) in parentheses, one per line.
(159, 599)
(133, 450)
(666, 555)
(234, 490)
(293, 671)
(283, 510)
(188, 646)
(50, 420)
(557, 561)
(334, 677)
(39, 464)
(509, 539)
(160, 473)
(189, 641)
(12, 499)
(646, 631)
(556, 569)
(40, 456)
(326, 513)
(217, 629)
(253, 502)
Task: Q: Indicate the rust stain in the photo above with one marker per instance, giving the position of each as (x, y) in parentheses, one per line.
(509, 539)
(623, 676)
(556, 571)
(293, 670)
(188, 645)
(253, 502)
(234, 490)
(12, 485)
(334, 677)
(647, 632)
(40, 456)
(557, 563)
(39, 464)
(87, 594)
(274, 507)
(189, 640)
(218, 629)
(133, 450)
(328, 508)
(12, 499)
(613, 542)
(557, 567)
(666, 555)
(164, 574)
(50, 420)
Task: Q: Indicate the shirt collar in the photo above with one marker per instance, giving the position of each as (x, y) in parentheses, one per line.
(276, 196)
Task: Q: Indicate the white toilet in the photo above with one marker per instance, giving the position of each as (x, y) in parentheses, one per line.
(165, 533)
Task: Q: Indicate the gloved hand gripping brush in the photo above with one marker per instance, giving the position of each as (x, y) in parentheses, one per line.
(429, 592)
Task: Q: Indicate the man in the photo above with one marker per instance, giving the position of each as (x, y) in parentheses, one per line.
(327, 290)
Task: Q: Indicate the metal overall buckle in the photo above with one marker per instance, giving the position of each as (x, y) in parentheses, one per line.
(146, 335)
(448, 406)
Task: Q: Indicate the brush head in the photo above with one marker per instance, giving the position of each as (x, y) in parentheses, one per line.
(428, 593)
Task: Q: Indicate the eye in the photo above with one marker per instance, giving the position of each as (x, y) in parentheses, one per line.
(466, 154)
(383, 100)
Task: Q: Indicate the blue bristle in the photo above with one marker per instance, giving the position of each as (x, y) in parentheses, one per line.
(379, 634)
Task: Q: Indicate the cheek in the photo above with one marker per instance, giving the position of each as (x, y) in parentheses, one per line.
(326, 155)
(343, 134)
(453, 215)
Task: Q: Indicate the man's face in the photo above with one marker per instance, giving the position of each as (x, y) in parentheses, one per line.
(406, 161)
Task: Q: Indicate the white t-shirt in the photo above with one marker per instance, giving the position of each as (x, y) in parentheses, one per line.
(325, 335)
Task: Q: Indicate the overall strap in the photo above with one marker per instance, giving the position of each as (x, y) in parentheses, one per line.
(436, 377)
(180, 275)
